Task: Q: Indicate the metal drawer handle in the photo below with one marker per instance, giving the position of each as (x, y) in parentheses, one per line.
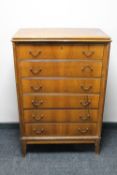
(36, 89)
(36, 103)
(87, 68)
(83, 131)
(86, 88)
(35, 54)
(35, 72)
(37, 118)
(85, 103)
(85, 118)
(39, 131)
(88, 53)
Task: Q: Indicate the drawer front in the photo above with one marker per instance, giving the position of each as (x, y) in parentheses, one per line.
(43, 116)
(59, 51)
(61, 85)
(60, 129)
(61, 69)
(62, 101)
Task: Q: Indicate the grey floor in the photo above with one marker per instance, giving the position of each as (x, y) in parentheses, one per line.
(57, 159)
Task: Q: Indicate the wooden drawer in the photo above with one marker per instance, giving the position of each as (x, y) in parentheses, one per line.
(61, 85)
(61, 69)
(60, 129)
(60, 101)
(35, 51)
(43, 116)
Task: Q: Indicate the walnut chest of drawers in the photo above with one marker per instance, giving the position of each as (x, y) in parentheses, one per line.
(61, 79)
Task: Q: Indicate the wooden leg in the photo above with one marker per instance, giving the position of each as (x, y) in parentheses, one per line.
(23, 148)
(97, 146)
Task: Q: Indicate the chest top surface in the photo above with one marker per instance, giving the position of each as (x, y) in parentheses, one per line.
(61, 34)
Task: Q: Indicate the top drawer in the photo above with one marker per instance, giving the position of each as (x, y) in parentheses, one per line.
(34, 51)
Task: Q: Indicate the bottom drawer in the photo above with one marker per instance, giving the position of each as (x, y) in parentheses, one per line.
(60, 129)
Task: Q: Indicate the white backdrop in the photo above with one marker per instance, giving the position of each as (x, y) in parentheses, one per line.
(15, 14)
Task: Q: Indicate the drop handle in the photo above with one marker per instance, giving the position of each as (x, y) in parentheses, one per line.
(36, 89)
(86, 88)
(85, 118)
(87, 67)
(84, 130)
(36, 103)
(85, 103)
(39, 131)
(37, 118)
(88, 53)
(35, 54)
(35, 71)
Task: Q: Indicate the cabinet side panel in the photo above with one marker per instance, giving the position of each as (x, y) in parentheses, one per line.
(18, 88)
(103, 85)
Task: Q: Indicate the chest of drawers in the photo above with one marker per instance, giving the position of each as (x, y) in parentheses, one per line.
(61, 79)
